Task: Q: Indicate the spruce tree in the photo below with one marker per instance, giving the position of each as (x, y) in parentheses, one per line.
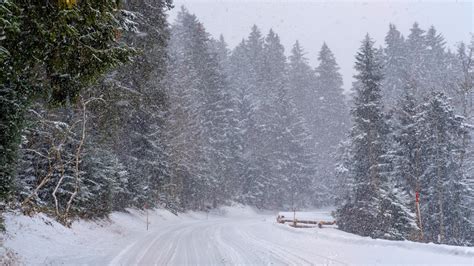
(232, 146)
(373, 210)
(246, 74)
(360, 214)
(445, 211)
(302, 83)
(395, 61)
(436, 60)
(416, 69)
(464, 87)
(50, 54)
(406, 158)
(137, 104)
(331, 119)
(199, 117)
(271, 92)
(243, 86)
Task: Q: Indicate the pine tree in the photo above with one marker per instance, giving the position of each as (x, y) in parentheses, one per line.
(57, 54)
(331, 118)
(296, 158)
(233, 128)
(444, 192)
(103, 185)
(302, 83)
(395, 61)
(436, 60)
(343, 182)
(417, 70)
(406, 160)
(464, 87)
(373, 209)
(246, 74)
(217, 123)
(271, 93)
(243, 85)
(102, 174)
(254, 46)
(360, 214)
(137, 104)
(200, 117)
(407, 151)
(220, 48)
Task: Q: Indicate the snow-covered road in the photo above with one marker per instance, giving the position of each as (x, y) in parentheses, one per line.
(229, 236)
(260, 241)
(219, 241)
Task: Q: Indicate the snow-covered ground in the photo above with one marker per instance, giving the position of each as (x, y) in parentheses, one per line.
(229, 236)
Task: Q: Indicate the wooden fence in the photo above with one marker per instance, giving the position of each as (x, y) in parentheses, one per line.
(303, 223)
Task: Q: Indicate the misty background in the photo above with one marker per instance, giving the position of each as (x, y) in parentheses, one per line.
(338, 23)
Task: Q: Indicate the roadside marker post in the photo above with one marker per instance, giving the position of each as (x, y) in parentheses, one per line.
(146, 209)
(294, 217)
(417, 202)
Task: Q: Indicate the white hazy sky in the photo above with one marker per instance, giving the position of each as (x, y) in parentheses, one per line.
(341, 24)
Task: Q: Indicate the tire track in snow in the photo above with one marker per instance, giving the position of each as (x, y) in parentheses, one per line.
(230, 254)
(166, 247)
(302, 244)
(290, 249)
(186, 244)
(247, 255)
(216, 241)
(136, 247)
(279, 254)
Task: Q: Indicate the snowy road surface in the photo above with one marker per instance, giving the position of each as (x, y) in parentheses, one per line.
(260, 241)
(229, 236)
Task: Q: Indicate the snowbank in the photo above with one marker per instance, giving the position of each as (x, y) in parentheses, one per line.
(90, 242)
(42, 240)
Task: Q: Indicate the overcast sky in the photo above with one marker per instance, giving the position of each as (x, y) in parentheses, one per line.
(341, 24)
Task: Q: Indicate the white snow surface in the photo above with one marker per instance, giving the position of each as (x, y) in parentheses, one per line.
(235, 235)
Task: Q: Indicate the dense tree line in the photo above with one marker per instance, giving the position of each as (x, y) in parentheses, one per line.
(50, 52)
(105, 106)
(238, 123)
(406, 165)
(186, 124)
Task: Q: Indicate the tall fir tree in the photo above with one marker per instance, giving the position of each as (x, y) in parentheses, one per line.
(57, 55)
(331, 118)
(406, 158)
(302, 83)
(445, 210)
(243, 86)
(417, 70)
(199, 118)
(271, 90)
(436, 60)
(395, 60)
(373, 209)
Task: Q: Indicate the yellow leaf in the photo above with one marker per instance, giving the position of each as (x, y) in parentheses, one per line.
(67, 3)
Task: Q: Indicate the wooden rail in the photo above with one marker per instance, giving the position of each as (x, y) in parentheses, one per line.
(303, 223)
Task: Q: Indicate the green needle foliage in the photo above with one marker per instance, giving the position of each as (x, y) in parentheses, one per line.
(50, 52)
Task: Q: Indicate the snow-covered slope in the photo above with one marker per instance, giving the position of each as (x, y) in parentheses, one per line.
(41, 240)
(229, 236)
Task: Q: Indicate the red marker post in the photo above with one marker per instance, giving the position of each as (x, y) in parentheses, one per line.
(417, 202)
